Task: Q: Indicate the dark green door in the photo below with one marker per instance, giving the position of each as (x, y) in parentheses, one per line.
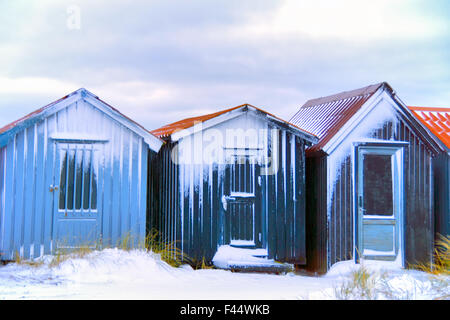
(243, 217)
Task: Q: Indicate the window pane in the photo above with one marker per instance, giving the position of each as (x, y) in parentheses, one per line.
(94, 191)
(79, 179)
(62, 183)
(242, 173)
(87, 179)
(71, 180)
(378, 193)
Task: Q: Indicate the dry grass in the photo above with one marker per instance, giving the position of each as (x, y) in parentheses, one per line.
(439, 269)
(166, 249)
(366, 285)
(32, 263)
(171, 254)
(203, 265)
(362, 285)
(62, 254)
(441, 263)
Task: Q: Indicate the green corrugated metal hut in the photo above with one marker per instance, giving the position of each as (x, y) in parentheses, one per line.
(235, 178)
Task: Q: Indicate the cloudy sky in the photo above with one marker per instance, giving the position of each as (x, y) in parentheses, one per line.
(159, 61)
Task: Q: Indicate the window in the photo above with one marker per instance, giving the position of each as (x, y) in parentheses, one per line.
(377, 184)
(78, 179)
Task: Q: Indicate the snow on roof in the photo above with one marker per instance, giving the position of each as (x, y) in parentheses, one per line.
(171, 128)
(435, 119)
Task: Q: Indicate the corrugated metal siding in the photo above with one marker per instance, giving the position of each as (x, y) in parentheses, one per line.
(316, 214)
(2, 195)
(419, 208)
(441, 170)
(183, 212)
(187, 203)
(341, 224)
(286, 203)
(29, 157)
(163, 195)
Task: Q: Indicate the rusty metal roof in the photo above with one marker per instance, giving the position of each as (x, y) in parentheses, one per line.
(30, 115)
(167, 130)
(326, 115)
(437, 120)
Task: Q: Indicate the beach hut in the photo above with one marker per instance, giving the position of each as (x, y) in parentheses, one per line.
(437, 121)
(229, 188)
(73, 173)
(369, 181)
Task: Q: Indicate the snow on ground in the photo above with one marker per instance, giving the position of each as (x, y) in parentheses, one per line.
(137, 274)
(226, 255)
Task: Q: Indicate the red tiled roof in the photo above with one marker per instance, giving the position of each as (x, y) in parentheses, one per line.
(435, 119)
(326, 115)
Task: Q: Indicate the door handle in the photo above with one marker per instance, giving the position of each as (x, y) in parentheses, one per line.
(360, 204)
(53, 188)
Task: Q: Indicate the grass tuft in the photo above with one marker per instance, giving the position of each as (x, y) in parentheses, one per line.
(439, 269)
(361, 286)
(441, 261)
(203, 265)
(32, 263)
(62, 254)
(168, 251)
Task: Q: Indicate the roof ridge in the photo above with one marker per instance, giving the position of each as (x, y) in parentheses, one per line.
(190, 121)
(368, 90)
(168, 129)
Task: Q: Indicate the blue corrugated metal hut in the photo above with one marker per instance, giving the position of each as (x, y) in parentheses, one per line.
(73, 173)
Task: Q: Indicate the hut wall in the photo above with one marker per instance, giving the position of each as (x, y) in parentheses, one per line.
(337, 224)
(441, 170)
(27, 210)
(316, 214)
(188, 209)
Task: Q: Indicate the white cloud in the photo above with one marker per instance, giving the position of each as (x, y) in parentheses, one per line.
(35, 85)
(158, 62)
(135, 92)
(345, 19)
